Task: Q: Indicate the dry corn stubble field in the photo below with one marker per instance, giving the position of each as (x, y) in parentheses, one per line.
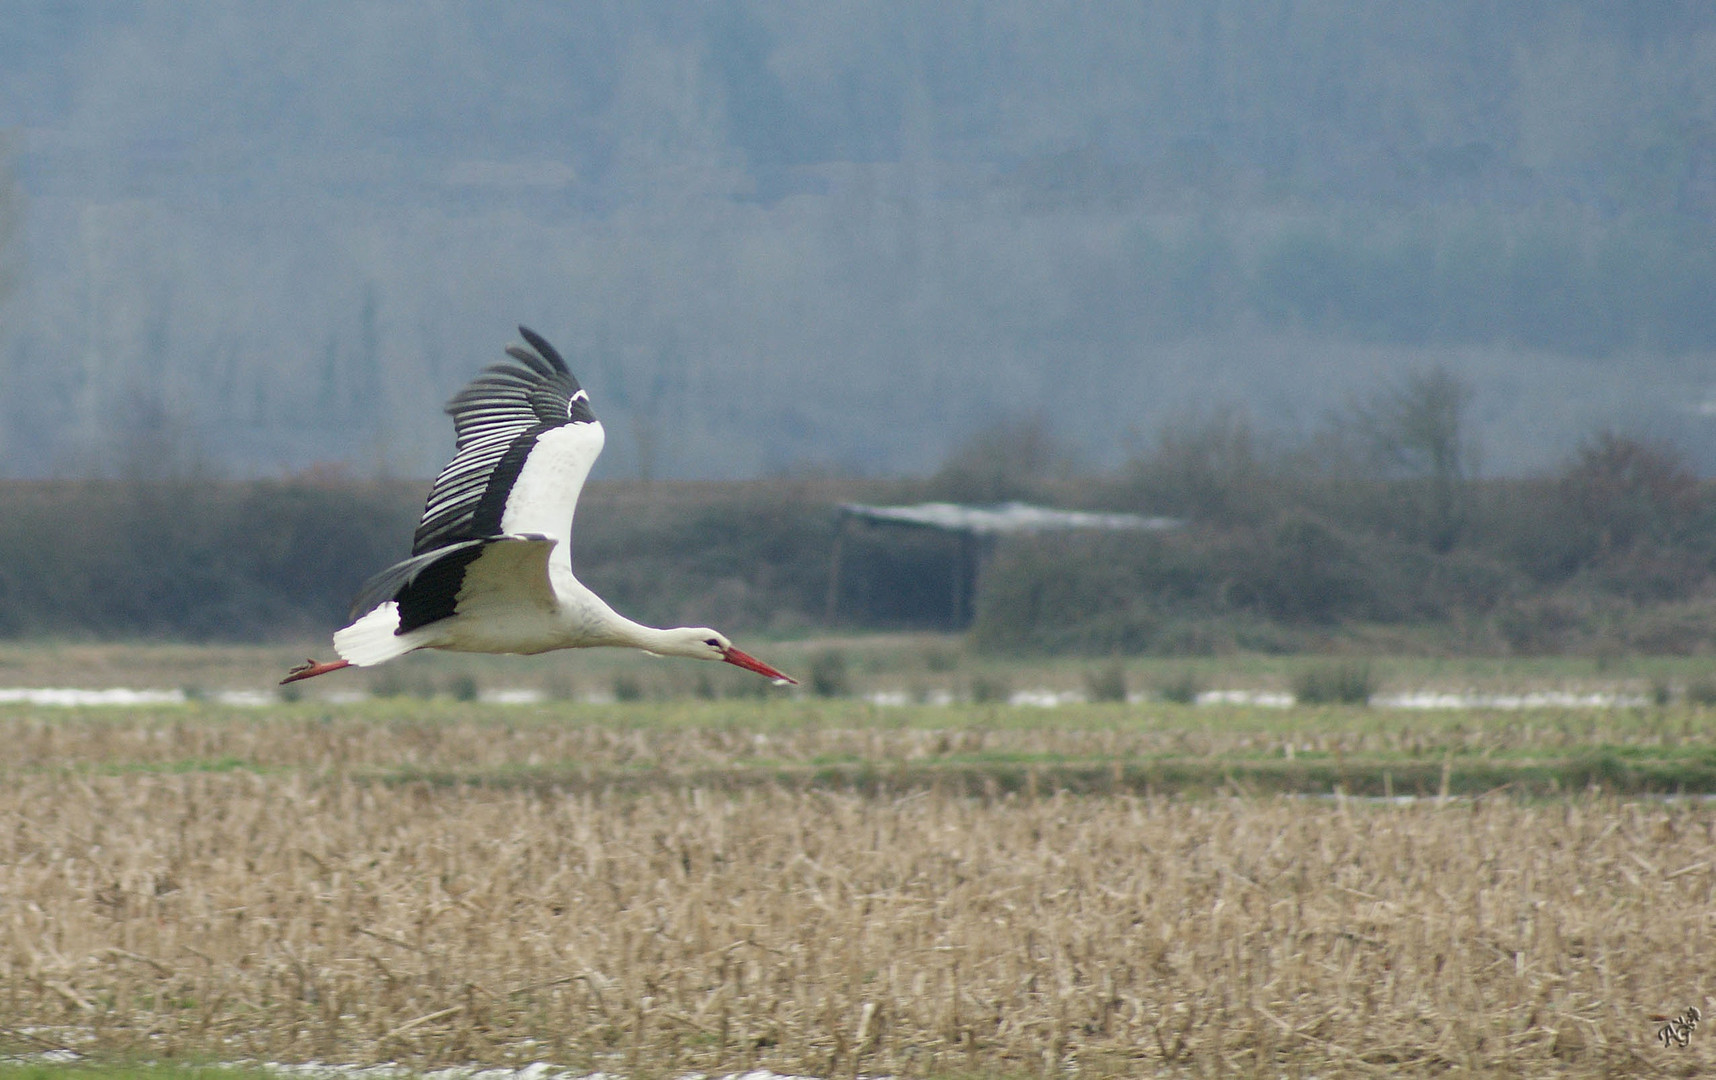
(276, 902)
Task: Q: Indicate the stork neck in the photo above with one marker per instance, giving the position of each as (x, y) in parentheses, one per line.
(595, 623)
(612, 628)
(638, 636)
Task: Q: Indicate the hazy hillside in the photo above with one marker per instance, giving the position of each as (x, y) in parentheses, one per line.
(778, 236)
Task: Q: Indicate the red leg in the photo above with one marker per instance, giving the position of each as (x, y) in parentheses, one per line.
(310, 668)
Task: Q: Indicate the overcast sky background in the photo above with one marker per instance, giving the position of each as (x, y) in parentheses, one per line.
(785, 236)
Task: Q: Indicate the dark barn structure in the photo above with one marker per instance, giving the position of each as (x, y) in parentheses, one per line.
(918, 566)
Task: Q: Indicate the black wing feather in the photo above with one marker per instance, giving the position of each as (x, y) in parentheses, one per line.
(496, 421)
(427, 587)
(433, 594)
(401, 578)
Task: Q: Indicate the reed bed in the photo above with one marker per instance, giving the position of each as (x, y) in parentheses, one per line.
(311, 914)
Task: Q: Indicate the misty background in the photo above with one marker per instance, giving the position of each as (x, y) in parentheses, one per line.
(844, 237)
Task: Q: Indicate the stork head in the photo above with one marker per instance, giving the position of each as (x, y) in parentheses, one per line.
(702, 643)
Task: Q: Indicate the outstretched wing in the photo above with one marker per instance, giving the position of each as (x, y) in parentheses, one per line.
(526, 439)
(504, 572)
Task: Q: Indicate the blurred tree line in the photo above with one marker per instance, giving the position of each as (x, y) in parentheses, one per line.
(1122, 210)
(1373, 530)
(194, 558)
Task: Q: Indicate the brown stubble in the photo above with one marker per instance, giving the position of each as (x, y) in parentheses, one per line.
(314, 916)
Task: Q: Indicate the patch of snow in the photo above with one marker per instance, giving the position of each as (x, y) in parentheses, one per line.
(512, 697)
(889, 698)
(1046, 699)
(250, 699)
(75, 697)
(1034, 697)
(1543, 699)
(1270, 698)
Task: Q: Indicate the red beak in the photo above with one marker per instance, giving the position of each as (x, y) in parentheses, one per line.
(750, 663)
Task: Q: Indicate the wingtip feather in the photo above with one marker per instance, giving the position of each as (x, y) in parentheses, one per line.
(547, 351)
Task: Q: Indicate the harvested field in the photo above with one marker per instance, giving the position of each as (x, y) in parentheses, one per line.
(851, 746)
(186, 886)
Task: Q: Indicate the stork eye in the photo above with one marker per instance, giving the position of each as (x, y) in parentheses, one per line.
(714, 642)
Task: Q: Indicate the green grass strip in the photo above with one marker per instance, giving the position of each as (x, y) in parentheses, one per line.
(85, 1070)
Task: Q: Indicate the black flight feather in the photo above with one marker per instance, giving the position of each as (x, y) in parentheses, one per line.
(497, 419)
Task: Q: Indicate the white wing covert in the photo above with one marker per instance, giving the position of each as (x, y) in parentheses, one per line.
(526, 439)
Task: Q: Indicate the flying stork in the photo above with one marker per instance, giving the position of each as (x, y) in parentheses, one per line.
(491, 564)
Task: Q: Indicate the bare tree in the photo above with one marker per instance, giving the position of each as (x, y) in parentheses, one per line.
(1417, 429)
(1210, 468)
(1009, 459)
(1624, 490)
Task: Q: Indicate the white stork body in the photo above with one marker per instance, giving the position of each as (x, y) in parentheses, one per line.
(491, 564)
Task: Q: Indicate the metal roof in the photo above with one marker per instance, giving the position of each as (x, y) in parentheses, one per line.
(1013, 517)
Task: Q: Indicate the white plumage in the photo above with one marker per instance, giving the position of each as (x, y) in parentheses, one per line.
(371, 640)
(491, 563)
